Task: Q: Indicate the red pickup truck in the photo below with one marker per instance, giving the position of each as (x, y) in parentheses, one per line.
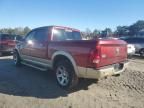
(7, 43)
(63, 50)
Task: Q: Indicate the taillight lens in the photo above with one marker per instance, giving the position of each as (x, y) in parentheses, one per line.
(95, 55)
(3, 43)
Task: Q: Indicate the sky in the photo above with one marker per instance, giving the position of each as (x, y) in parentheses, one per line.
(80, 14)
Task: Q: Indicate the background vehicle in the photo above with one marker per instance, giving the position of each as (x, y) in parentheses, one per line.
(7, 43)
(63, 50)
(137, 42)
(130, 50)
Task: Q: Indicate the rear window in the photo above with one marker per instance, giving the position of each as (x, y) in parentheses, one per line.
(7, 37)
(63, 34)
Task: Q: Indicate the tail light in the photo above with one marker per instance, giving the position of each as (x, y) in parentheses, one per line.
(3, 43)
(95, 55)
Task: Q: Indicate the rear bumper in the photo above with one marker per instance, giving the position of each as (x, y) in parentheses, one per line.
(100, 73)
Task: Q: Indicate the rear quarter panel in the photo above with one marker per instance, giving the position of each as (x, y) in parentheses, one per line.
(78, 49)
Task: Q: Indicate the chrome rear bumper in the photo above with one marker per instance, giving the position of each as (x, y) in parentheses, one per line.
(100, 73)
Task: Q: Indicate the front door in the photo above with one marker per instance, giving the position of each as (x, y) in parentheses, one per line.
(25, 46)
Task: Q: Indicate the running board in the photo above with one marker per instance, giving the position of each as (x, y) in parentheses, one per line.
(33, 66)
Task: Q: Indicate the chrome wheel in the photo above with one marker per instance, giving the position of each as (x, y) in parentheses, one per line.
(62, 75)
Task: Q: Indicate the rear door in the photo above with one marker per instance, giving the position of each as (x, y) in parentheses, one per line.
(40, 44)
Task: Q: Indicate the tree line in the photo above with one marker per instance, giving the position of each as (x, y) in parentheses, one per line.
(136, 29)
(133, 30)
(15, 31)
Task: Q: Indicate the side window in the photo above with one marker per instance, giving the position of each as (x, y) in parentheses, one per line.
(41, 35)
(77, 35)
(58, 35)
(30, 36)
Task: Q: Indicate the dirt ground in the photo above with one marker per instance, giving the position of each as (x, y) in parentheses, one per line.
(25, 87)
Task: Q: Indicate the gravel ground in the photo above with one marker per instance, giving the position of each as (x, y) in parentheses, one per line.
(25, 87)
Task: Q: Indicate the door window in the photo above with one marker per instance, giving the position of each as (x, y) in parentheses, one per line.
(41, 35)
(30, 36)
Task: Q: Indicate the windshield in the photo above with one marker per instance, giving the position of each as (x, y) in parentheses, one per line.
(63, 34)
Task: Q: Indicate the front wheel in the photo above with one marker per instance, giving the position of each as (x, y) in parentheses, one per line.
(65, 75)
(16, 58)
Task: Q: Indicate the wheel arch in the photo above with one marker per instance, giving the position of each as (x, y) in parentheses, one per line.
(15, 49)
(64, 55)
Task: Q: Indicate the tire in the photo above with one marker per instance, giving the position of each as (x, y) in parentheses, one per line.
(16, 58)
(142, 52)
(65, 75)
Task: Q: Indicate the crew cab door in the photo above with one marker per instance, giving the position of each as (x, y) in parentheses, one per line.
(39, 44)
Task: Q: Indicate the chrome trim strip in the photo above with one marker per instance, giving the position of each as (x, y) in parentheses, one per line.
(39, 61)
(100, 73)
(42, 69)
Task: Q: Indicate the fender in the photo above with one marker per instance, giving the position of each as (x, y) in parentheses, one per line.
(69, 56)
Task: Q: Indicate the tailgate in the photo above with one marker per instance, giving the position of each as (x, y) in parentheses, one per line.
(112, 51)
(6, 44)
(11, 43)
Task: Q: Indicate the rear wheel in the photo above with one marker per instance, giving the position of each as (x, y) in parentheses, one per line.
(16, 58)
(65, 75)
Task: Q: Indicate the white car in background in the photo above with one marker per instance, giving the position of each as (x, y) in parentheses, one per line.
(130, 49)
